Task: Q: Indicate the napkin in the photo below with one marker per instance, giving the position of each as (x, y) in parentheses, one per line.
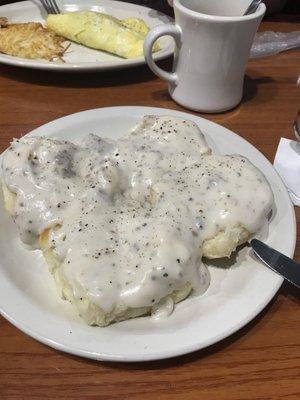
(287, 164)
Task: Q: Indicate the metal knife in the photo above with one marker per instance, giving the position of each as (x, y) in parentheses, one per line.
(281, 264)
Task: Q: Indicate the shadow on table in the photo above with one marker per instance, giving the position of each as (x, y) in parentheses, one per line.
(291, 291)
(252, 84)
(80, 79)
(126, 77)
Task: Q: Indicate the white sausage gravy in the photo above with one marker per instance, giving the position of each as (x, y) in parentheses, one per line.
(131, 215)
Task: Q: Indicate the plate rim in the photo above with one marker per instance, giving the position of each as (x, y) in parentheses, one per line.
(6, 59)
(183, 349)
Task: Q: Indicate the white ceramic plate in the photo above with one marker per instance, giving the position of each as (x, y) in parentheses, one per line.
(29, 300)
(77, 57)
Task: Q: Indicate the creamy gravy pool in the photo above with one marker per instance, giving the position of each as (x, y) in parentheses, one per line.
(133, 213)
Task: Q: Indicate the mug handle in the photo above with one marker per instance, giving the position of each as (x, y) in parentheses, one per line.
(152, 36)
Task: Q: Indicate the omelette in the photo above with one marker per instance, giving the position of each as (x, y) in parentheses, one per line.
(124, 38)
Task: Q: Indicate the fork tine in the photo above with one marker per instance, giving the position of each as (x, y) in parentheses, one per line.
(48, 7)
(45, 5)
(51, 7)
(55, 6)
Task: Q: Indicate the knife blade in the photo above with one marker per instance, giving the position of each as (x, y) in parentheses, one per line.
(278, 262)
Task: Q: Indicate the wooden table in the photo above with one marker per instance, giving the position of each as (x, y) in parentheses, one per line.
(261, 361)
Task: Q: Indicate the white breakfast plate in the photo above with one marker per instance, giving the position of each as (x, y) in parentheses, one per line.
(29, 300)
(77, 57)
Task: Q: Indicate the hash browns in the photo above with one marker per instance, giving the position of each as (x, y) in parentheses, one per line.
(30, 40)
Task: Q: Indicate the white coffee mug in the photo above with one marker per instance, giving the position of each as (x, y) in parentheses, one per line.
(210, 55)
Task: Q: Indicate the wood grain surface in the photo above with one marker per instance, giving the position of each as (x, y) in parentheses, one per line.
(261, 361)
